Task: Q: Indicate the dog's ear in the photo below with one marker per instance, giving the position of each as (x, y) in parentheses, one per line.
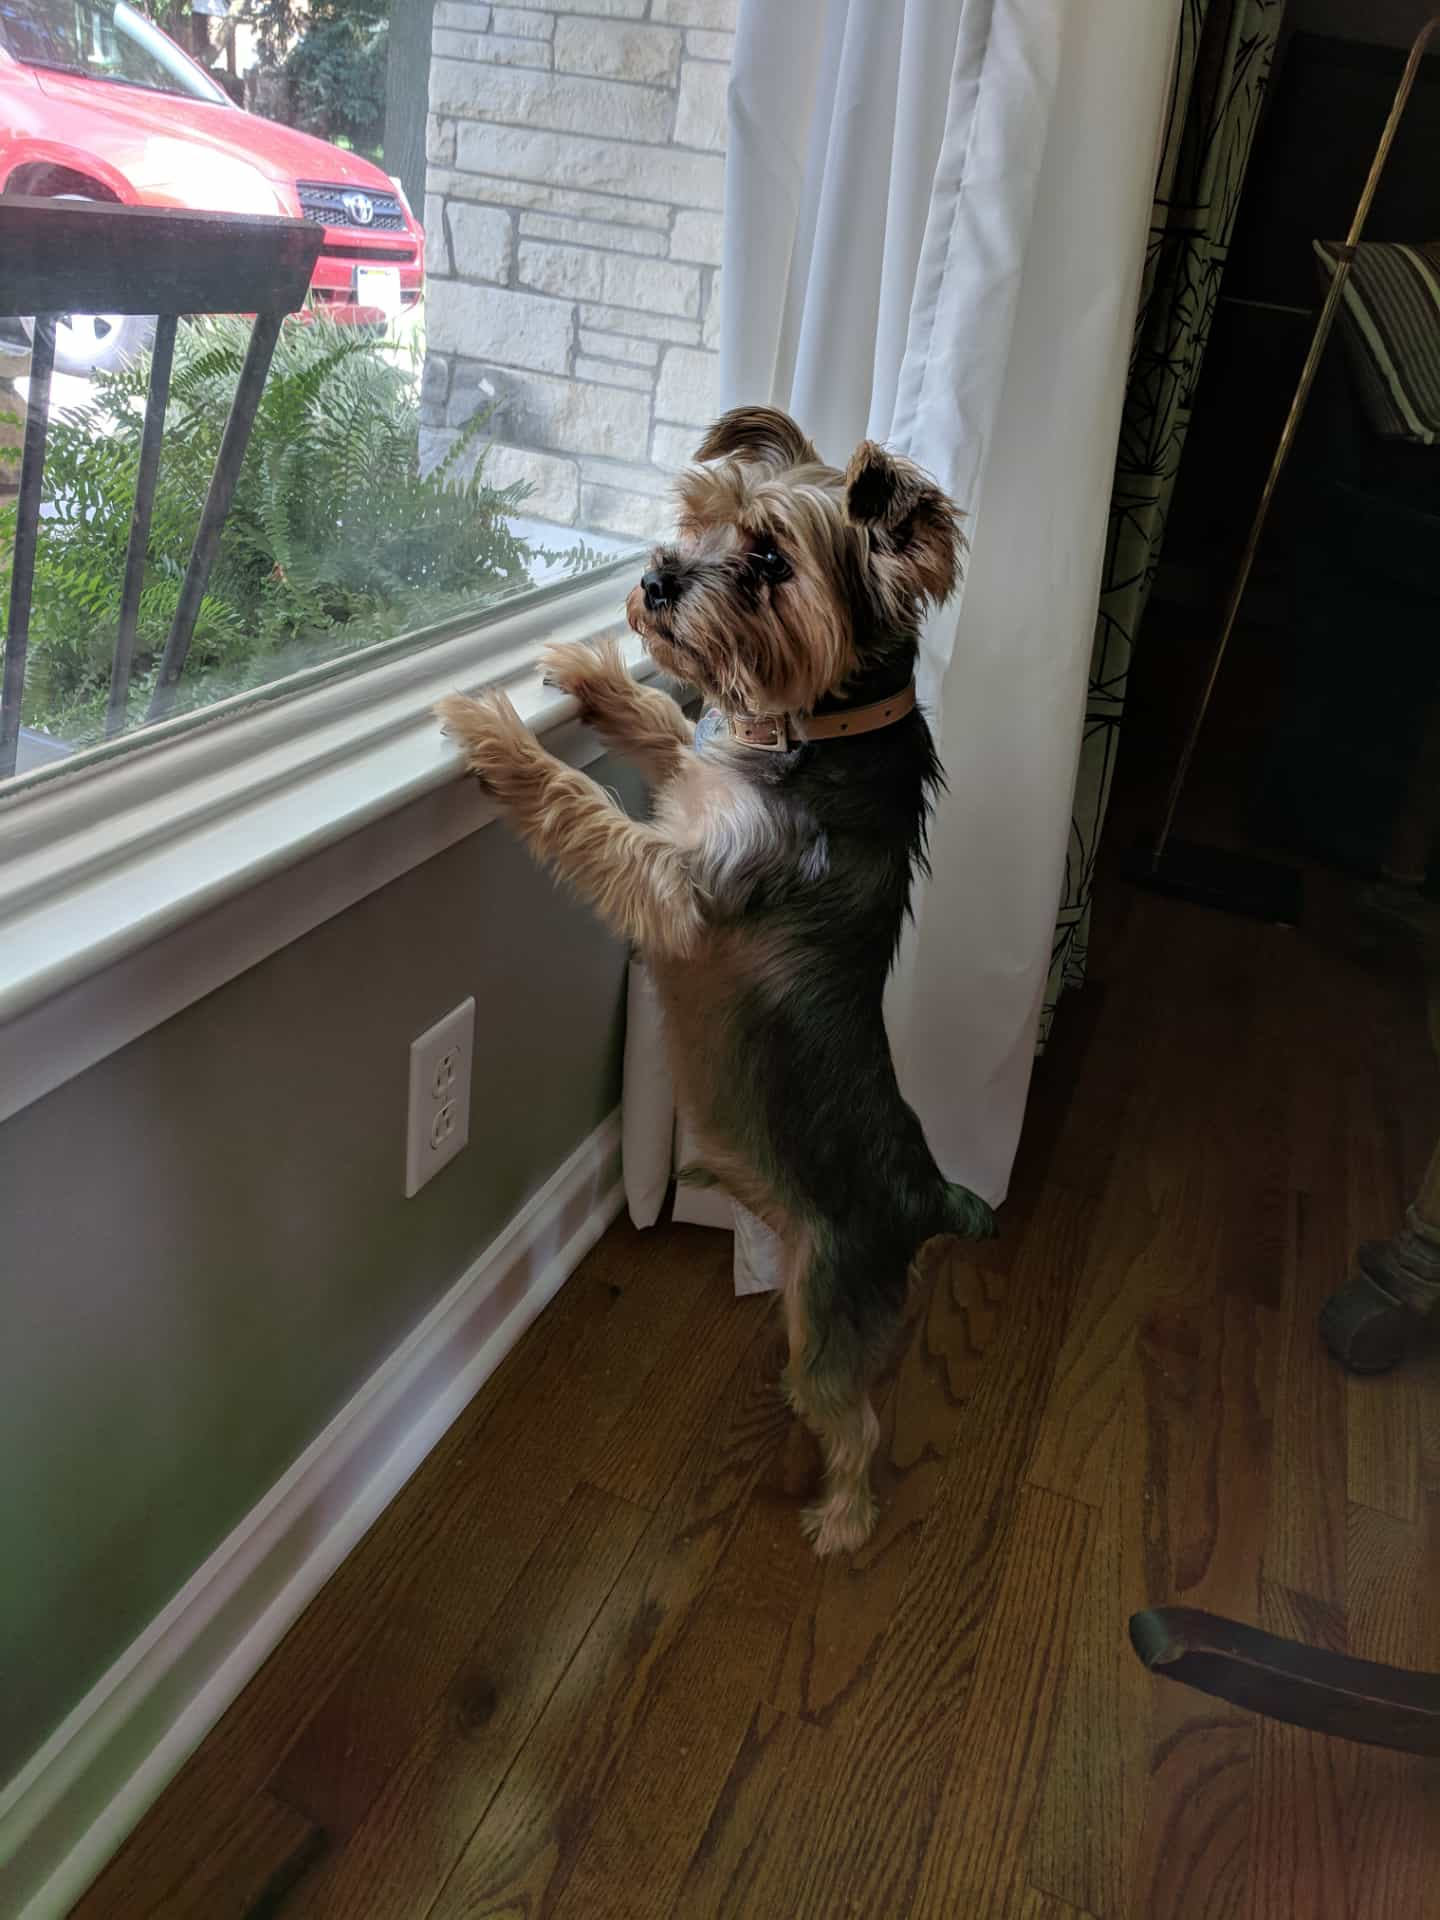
(915, 528)
(762, 434)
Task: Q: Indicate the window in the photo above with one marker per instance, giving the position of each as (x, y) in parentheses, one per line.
(97, 41)
(573, 202)
(436, 436)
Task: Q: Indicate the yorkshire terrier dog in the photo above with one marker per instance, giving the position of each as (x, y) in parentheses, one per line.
(768, 889)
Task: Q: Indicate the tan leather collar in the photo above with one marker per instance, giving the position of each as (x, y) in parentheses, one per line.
(780, 732)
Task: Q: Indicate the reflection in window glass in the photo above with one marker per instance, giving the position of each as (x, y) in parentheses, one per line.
(333, 539)
(575, 186)
(461, 414)
(99, 40)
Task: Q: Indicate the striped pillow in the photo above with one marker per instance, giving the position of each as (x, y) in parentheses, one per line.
(1390, 320)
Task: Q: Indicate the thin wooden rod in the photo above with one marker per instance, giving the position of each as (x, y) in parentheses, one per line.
(1292, 422)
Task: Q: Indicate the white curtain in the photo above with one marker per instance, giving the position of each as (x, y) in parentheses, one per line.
(935, 220)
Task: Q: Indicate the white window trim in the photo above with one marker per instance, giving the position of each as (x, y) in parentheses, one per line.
(129, 890)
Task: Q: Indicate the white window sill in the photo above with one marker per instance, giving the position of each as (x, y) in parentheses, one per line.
(129, 892)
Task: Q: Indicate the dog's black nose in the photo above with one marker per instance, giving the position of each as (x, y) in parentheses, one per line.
(658, 587)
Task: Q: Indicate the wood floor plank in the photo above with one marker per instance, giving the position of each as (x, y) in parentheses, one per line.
(1393, 1611)
(1382, 1413)
(871, 1831)
(848, 1602)
(363, 1728)
(1305, 1540)
(1427, 1387)
(1390, 1834)
(1195, 1843)
(639, 1457)
(701, 1703)
(762, 1825)
(1086, 1827)
(1254, 1232)
(1295, 1847)
(261, 1854)
(1184, 1521)
(1161, 1227)
(1044, 1906)
(1382, 1418)
(252, 1738)
(499, 1513)
(528, 1843)
(598, 1379)
(1224, 1515)
(1075, 1449)
(1194, 1847)
(975, 1859)
(1296, 1862)
(398, 1860)
(1391, 1802)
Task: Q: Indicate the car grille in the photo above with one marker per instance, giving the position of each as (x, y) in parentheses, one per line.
(326, 207)
(375, 255)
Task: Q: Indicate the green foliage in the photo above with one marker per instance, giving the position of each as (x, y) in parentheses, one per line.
(337, 82)
(279, 23)
(333, 538)
(332, 56)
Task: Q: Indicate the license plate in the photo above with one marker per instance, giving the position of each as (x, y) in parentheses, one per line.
(378, 287)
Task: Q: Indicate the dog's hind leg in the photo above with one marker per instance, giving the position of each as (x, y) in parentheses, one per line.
(844, 1516)
(831, 1368)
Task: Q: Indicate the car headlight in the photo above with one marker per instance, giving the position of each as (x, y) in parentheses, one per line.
(196, 176)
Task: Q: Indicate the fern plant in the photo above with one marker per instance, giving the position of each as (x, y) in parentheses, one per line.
(333, 540)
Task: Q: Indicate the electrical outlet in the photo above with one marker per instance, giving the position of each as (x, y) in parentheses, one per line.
(439, 1121)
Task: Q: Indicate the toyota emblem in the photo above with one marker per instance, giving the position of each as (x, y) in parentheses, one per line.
(360, 207)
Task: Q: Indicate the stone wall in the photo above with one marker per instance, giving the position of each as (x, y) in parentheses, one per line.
(572, 214)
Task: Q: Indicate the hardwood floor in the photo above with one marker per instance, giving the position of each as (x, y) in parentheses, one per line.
(585, 1666)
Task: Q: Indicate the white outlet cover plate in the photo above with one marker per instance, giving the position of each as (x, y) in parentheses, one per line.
(430, 1064)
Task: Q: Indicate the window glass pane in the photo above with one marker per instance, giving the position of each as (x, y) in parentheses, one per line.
(576, 174)
(463, 412)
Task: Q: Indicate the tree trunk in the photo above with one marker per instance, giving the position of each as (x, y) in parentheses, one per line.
(407, 94)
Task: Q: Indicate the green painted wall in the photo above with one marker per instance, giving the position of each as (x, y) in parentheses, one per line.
(205, 1249)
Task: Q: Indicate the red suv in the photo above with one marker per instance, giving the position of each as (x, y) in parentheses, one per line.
(97, 103)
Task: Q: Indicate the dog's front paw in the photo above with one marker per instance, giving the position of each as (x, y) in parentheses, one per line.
(588, 674)
(494, 739)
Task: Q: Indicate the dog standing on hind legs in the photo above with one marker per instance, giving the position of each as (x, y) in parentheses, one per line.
(769, 887)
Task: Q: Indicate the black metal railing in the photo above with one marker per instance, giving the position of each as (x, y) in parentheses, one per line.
(62, 257)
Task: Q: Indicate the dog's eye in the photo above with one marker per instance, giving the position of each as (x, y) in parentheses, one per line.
(768, 561)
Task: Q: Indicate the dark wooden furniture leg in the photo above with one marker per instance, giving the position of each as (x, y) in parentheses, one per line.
(1284, 1679)
(1393, 1289)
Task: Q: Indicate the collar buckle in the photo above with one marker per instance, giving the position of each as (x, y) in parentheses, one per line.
(770, 732)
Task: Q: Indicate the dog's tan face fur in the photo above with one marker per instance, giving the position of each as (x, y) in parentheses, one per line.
(789, 577)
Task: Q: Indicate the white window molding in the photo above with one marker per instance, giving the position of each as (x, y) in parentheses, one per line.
(132, 888)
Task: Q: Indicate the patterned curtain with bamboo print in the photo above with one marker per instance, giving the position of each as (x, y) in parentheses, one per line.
(1222, 64)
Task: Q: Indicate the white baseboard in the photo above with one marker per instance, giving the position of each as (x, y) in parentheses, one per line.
(69, 1808)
